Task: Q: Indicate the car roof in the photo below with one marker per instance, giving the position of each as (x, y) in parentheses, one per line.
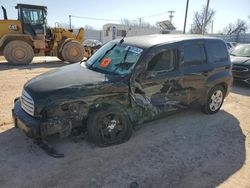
(147, 41)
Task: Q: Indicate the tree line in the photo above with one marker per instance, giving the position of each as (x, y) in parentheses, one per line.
(236, 27)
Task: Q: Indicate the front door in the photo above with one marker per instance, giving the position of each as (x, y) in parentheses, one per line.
(158, 88)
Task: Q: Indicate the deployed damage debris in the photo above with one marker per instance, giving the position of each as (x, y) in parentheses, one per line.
(47, 148)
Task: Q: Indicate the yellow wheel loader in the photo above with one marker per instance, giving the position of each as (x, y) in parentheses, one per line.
(27, 36)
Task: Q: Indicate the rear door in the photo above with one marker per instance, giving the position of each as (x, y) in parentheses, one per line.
(218, 54)
(195, 69)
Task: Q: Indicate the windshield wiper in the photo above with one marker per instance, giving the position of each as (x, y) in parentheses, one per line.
(126, 54)
(124, 61)
(104, 54)
(108, 51)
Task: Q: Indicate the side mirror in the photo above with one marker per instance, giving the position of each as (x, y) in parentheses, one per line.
(150, 74)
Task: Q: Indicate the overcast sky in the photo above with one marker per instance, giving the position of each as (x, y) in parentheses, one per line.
(58, 11)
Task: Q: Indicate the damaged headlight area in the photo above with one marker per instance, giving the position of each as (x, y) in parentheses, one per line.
(63, 118)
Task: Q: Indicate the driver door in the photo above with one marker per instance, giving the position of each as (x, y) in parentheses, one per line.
(159, 86)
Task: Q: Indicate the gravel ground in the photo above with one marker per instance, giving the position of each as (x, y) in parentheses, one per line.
(187, 149)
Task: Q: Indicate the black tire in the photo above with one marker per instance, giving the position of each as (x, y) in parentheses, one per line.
(59, 56)
(18, 52)
(215, 100)
(72, 52)
(104, 130)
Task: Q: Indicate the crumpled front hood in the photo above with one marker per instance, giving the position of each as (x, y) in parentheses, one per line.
(73, 82)
(240, 60)
(67, 76)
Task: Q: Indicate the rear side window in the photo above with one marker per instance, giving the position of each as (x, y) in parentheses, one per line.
(217, 51)
(194, 55)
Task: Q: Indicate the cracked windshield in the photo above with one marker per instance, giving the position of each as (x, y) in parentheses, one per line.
(115, 58)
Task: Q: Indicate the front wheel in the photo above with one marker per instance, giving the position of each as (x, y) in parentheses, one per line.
(59, 56)
(215, 100)
(109, 127)
(72, 52)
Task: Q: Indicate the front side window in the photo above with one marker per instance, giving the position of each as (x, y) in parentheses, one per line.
(115, 58)
(194, 55)
(32, 16)
(163, 61)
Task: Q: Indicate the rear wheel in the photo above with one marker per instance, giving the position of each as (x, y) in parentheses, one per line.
(109, 127)
(18, 52)
(72, 52)
(215, 100)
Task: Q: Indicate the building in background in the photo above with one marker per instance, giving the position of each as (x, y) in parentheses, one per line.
(115, 31)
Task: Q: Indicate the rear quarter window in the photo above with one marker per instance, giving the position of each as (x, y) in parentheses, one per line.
(217, 52)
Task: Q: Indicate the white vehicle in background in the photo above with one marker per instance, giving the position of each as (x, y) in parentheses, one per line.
(92, 43)
(231, 45)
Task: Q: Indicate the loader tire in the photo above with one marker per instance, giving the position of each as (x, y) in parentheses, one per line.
(59, 56)
(72, 52)
(18, 52)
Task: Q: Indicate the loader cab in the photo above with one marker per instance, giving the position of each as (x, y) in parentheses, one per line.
(33, 19)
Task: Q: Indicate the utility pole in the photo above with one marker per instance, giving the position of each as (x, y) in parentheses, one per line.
(69, 21)
(205, 20)
(140, 20)
(171, 15)
(185, 20)
(212, 27)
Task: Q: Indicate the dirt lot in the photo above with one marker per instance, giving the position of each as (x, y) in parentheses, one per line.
(188, 149)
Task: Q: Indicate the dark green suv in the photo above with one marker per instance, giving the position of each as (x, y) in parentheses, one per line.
(125, 83)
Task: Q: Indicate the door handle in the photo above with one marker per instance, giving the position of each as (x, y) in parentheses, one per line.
(205, 73)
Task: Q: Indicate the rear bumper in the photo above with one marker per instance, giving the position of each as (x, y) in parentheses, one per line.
(23, 121)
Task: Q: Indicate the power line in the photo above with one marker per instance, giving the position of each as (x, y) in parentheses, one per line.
(153, 15)
(103, 19)
(91, 18)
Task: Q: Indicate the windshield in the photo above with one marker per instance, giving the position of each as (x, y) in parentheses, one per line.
(114, 58)
(241, 51)
(32, 16)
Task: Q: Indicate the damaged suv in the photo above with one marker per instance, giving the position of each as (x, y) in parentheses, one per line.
(125, 83)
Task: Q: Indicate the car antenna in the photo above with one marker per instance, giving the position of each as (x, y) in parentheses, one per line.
(122, 40)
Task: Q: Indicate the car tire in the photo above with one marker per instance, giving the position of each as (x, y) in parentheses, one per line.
(109, 127)
(18, 52)
(215, 100)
